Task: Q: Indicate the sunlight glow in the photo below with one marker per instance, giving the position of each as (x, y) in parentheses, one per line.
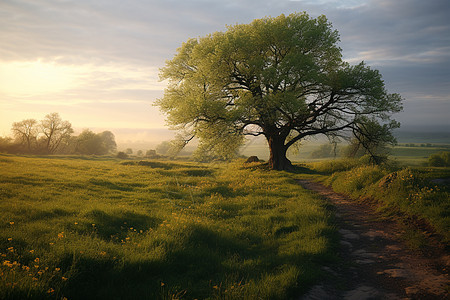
(28, 79)
(35, 78)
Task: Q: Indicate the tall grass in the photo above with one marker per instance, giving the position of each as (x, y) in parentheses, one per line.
(409, 191)
(106, 229)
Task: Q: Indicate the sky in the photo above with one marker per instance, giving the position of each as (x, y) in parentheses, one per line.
(96, 62)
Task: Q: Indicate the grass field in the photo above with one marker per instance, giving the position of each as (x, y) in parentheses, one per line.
(103, 228)
(405, 193)
(99, 228)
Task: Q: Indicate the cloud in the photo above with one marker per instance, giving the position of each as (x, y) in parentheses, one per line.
(114, 48)
(396, 31)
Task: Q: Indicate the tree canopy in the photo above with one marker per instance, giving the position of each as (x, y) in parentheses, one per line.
(283, 78)
(55, 131)
(26, 132)
(89, 142)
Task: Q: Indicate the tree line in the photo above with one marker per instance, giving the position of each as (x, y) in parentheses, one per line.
(53, 135)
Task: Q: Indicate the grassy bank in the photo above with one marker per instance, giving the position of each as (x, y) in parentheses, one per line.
(409, 193)
(86, 228)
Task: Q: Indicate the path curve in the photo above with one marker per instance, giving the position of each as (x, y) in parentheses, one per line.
(373, 261)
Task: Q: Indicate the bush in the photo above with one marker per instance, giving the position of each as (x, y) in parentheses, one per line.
(441, 159)
(325, 150)
(122, 155)
(339, 165)
(356, 180)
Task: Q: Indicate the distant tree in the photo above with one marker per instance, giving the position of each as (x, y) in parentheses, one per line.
(129, 151)
(89, 142)
(441, 159)
(282, 78)
(26, 133)
(7, 145)
(140, 153)
(55, 131)
(325, 150)
(164, 147)
(122, 155)
(151, 153)
(108, 142)
(373, 139)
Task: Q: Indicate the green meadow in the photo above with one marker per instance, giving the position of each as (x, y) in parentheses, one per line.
(102, 228)
(74, 227)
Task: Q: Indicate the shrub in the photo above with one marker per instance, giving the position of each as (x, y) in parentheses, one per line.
(441, 159)
(122, 155)
(325, 150)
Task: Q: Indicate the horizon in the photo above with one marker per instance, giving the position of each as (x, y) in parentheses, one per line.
(98, 65)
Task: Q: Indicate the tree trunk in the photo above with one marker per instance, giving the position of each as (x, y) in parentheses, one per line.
(278, 159)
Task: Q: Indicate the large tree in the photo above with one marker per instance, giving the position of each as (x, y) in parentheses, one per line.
(282, 78)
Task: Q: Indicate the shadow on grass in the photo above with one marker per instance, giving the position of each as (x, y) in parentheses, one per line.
(116, 227)
(301, 169)
(193, 265)
(33, 181)
(296, 169)
(224, 190)
(110, 185)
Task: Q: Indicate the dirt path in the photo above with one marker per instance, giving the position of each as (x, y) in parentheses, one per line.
(374, 263)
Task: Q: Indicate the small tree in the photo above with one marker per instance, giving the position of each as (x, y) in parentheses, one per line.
(108, 142)
(373, 139)
(151, 154)
(26, 132)
(163, 147)
(122, 155)
(7, 145)
(282, 78)
(55, 131)
(89, 143)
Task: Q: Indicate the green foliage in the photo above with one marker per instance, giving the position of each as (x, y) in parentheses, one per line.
(122, 155)
(163, 148)
(103, 229)
(441, 159)
(372, 138)
(337, 165)
(89, 143)
(55, 132)
(281, 77)
(325, 150)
